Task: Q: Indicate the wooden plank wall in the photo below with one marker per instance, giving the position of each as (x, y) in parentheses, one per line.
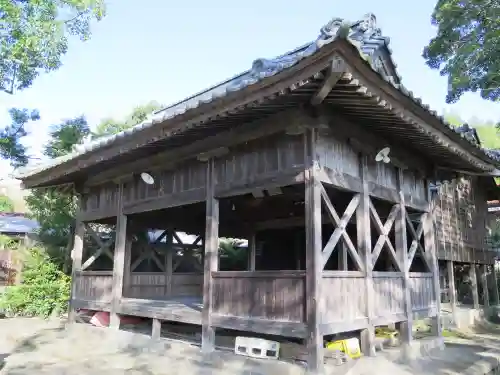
(93, 285)
(247, 164)
(153, 285)
(461, 220)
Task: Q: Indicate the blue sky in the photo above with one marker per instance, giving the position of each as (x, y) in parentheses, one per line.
(160, 50)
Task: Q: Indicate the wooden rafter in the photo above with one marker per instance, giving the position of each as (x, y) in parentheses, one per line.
(383, 239)
(103, 248)
(336, 69)
(415, 244)
(340, 228)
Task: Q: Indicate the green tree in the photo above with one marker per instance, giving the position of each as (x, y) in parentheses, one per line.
(34, 37)
(139, 114)
(6, 204)
(466, 48)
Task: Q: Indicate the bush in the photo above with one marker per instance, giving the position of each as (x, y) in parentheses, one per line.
(44, 289)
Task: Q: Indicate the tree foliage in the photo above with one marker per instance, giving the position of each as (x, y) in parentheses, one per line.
(6, 204)
(139, 114)
(11, 147)
(35, 36)
(466, 48)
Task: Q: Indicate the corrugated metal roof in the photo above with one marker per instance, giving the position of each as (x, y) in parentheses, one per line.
(17, 223)
(362, 34)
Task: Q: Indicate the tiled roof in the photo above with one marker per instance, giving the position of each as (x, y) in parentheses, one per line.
(17, 223)
(363, 34)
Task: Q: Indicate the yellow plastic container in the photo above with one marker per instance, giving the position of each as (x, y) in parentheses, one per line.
(349, 346)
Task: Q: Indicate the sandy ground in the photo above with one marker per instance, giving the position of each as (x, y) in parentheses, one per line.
(33, 346)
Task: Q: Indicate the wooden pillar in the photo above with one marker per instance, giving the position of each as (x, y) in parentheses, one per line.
(452, 292)
(365, 249)
(496, 298)
(431, 253)
(314, 269)
(211, 259)
(156, 329)
(473, 283)
(169, 263)
(484, 284)
(401, 237)
(251, 252)
(118, 261)
(76, 256)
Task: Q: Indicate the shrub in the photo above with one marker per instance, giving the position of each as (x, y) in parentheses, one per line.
(44, 289)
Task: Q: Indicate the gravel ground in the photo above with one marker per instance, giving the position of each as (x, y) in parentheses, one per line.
(37, 347)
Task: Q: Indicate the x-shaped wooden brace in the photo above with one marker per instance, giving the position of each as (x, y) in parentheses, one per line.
(340, 224)
(415, 244)
(103, 248)
(383, 238)
(148, 252)
(188, 253)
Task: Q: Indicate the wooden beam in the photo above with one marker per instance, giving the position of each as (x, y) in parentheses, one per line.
(452, 292)
(118, 262)
(365, 249)
(473, 282)
(496, 298)
(484, 282)
(315, 359)
(76, 255)
(156, 329)
(335, 71)
(406, 327)
(168, 263)
(211, 259)
(251, 252)
(430, 251)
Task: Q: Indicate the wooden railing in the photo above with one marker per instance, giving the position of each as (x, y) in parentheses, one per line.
(93, 285)
(422, 293)
(272, 295)
(155, 285)
(343, 296)
(389, 298)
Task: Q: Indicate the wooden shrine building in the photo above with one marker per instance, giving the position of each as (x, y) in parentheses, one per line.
(283, 155)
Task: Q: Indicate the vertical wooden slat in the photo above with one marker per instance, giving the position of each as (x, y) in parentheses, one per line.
(118, 261)
(342, 256)
(313, 256)
(211, 259)
(452, 292)
(402, 250)
(365, 249)
(156, 329)
(127, 272)
(169, 264)
(473, 283)
(430, 249)
(76, 255)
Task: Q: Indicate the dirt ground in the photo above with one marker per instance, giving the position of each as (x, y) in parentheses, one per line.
(34, 346)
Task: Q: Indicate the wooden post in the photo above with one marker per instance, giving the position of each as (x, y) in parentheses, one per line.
(76, 255)
(406, 327)
(169, 263)
(484, 282)
(156, 329)
(452, 292)
(496, 298)
(431, 251)
(118, 262)
(251, 252)
(211, 259)
(473, 283)
(314, 271)
(365, 249)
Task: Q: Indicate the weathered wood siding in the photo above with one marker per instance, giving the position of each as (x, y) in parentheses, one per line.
(423, 299)
(389, 299)
(269, 295)
(93, 285)
(343, 296)
(460, 214)
(259, 160)
(100, 201)
(153, 285)
(336, 155)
